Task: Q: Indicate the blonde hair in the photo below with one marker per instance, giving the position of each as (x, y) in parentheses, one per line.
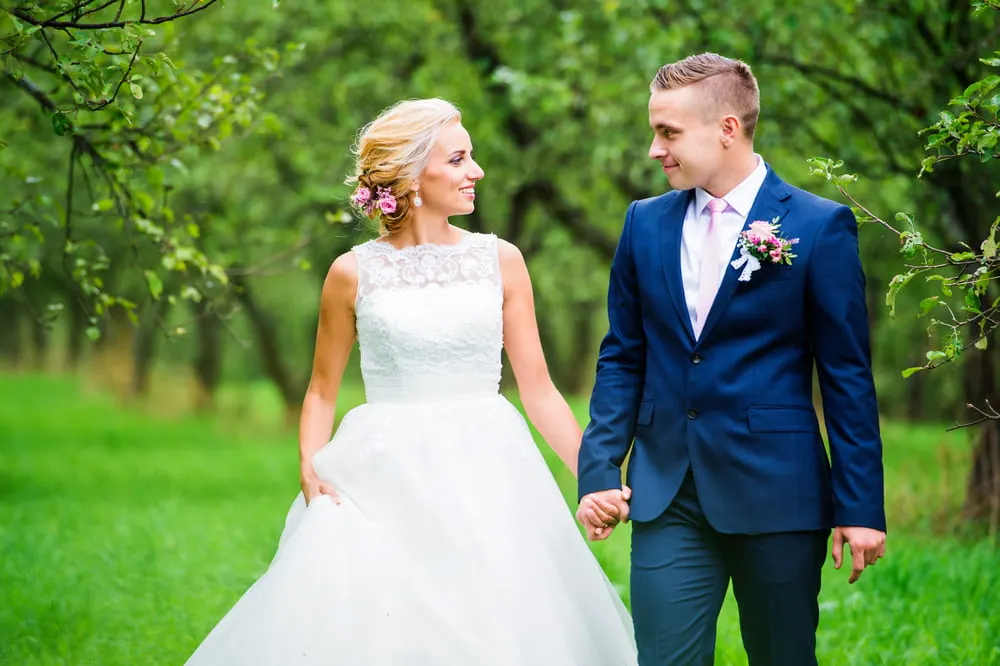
(392, 151)
(728, 84)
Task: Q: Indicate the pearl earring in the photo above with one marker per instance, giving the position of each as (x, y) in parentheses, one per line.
(417, 201)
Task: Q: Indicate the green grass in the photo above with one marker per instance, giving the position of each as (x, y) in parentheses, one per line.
(125, 536)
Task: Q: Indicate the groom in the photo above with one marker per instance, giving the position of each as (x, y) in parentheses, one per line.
(705, 378)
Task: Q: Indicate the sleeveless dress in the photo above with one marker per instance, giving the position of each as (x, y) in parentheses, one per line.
(453, 545)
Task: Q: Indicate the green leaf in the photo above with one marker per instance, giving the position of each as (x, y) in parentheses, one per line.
(928, 304)
(61, 124)
(136, 90)
(981, 344)
(972, 301)
(963, 256)
(910, 371)
(897, 283)
(909, 240)
(93, 332)
(936, 355)
(945, 289)
(155, 284)
(989, 248)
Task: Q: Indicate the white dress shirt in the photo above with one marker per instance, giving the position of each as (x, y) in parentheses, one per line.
(731, 222)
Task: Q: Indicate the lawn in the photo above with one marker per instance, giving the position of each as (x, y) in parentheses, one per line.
(125, 534)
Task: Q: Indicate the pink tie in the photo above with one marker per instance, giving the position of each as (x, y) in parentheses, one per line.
(708, 281)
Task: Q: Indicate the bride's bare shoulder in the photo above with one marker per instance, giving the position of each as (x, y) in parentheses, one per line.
(341, 282)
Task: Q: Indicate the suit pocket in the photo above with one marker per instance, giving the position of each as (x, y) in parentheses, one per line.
(782, 419)
(645, 415)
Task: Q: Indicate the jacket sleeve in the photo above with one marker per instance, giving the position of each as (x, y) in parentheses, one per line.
(838, 327)
(620, 375)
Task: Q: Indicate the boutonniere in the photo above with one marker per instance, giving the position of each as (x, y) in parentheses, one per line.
(761, 244)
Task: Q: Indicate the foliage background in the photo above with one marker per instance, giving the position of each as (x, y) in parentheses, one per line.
(171, 195)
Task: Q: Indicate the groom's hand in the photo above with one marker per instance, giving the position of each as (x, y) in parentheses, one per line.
(599, 512)
(867, 547)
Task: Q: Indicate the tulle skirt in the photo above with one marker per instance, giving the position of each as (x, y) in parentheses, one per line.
(452, 547)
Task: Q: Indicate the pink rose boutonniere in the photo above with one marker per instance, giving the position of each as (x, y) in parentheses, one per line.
(761, 244)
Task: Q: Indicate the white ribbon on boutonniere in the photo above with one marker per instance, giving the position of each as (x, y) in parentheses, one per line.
(759, 244)
(748, 262)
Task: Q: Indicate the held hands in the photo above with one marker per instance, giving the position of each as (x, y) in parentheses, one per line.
(313, 487)
(867, 547)
(600, 512)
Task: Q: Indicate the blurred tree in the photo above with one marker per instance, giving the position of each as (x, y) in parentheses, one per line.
(962, 151)
(554, 95)
(98, 123)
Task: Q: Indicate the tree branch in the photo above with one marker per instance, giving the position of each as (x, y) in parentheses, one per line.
(859, 85)
(80, 5)
(478, 49)
(991, 415)
(107, 4)
(142, 20)
(574, 219)
(48, 69)
(34, 91)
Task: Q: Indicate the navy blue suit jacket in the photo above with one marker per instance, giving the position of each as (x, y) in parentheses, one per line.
(736, 405)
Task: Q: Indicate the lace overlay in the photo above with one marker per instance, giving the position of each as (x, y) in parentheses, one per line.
(429, 319)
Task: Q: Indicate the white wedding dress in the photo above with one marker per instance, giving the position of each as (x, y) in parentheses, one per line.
(453, 545)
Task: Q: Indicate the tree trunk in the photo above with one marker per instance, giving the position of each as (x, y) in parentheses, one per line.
(582, 364)
(970, 194)
(266, 334)
(548, 333)
(915, 398)
(10, 332)
(982, 500)
(208, 362)
(76, 335)
(113, 356)
(144, 347)
(39, 343)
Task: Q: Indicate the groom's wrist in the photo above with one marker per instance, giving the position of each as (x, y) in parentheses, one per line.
(596, 481)
(872, 517)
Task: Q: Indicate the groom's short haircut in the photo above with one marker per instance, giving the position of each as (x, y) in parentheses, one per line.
(728, 83)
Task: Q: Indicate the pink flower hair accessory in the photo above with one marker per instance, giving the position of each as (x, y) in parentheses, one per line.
(368, 201)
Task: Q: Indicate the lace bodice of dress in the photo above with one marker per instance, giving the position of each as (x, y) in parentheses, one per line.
(429, 319)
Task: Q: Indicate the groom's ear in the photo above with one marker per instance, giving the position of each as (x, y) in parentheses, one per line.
(731, 128)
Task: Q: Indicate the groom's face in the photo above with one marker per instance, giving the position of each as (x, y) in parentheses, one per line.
(686, 139)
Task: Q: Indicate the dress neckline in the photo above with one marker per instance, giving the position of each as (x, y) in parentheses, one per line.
(467, 236)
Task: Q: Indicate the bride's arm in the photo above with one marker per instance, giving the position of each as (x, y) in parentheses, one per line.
(546, 408)
(334, 338)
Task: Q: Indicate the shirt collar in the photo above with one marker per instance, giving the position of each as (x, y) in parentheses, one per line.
(741, 197)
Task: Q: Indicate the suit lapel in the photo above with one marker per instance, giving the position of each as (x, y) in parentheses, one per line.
(671, 225)
(769, 204)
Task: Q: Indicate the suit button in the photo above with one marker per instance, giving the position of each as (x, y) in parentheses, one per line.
(696, 358)
(692, 414)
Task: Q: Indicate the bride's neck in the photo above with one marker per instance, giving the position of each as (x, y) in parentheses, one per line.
(426, 228)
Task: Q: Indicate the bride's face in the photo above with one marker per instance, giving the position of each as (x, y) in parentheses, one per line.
(447, 185)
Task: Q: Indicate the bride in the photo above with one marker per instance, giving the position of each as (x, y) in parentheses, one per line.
(429, 531)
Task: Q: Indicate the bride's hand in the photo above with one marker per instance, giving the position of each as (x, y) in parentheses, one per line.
(313, 487)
